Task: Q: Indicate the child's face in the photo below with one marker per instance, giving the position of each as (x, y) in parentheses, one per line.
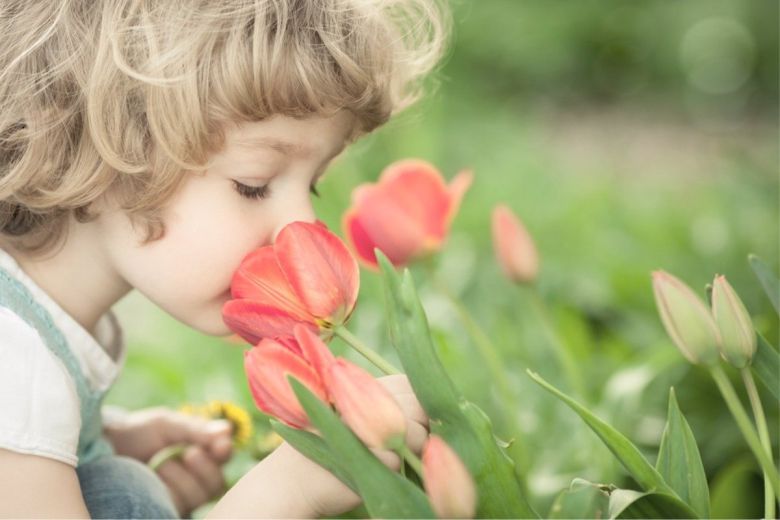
(210, 226)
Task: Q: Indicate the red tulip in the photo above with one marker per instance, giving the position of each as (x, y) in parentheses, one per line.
(407, 214)
(365, 405)
(308, 276)
(267, 366)
(447, 482)
(514, 247)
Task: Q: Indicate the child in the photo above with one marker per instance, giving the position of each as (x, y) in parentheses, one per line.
(152, 144)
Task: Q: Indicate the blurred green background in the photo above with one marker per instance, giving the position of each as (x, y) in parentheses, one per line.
(629, 136)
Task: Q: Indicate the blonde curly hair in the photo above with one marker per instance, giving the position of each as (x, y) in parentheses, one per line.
(123, 97)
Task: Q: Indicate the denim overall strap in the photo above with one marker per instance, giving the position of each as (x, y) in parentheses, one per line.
(16, 297)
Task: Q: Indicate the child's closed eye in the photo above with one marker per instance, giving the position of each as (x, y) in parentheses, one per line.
(252, 192)
(262, 192)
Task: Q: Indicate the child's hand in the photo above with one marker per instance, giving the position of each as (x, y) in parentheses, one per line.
(326, 494)
(194, 478)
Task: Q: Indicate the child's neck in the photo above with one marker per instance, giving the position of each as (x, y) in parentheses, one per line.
(77, 276)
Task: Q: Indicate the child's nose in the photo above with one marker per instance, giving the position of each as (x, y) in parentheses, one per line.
(304, 213)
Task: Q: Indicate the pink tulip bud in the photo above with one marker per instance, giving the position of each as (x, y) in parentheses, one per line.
(514, 247)
(686, 318)
(407, 214)
(447, 481)
(366, 406)
(738, 338)
(267, 366)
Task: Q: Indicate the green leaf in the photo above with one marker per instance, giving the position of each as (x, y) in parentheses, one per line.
(314, 448)
(460, 423)
(768, 280)
(580, 502)
(625, 451)
(626, 503)
(500, 494)
(385, 494)
(679, 461)
(766, 366)
(411, 338)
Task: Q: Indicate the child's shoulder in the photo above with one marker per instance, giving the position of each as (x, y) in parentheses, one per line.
(39, 408)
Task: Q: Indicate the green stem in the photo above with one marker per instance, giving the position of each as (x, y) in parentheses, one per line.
(763, 433)
(412, 459)
(361, 347)
(166, 454)
(562, 353)
(743, 422)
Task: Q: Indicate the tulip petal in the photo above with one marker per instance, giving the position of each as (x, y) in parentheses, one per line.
(359, 239)
(458, 187)
(406, 214)
(419, 190)
(365, 405)
(320, 269)
(290, 343)
(687, 320)
(513, 246)
(738, 338)
(396, 232)
(314, 350)
(447, 481)
(260, 278)
(253, 320)
(267, 366)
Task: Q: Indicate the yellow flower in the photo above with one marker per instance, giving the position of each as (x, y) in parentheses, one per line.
(234, 414)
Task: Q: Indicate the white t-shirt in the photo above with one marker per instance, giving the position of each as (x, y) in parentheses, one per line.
(39, 405)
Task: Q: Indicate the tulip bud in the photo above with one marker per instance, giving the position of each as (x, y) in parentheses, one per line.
(267, 366)
(448, 483)
(366, 406)
(738, 339)
(686, 318)
(514, 247)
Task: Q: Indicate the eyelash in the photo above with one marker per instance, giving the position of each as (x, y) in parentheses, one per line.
(262, 192)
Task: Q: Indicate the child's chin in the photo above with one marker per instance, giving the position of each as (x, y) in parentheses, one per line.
(211, 323)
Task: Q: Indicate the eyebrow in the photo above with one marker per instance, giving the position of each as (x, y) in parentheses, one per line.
(278, 145)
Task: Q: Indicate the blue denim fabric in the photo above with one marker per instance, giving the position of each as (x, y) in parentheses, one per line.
(120, 487)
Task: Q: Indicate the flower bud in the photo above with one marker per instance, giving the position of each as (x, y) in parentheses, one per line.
(738, 339)
(365, 405)
(514, 247)
(448, 483)
(267, 366)
(686, 318)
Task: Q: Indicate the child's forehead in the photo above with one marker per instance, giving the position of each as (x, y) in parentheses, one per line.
(308, 137)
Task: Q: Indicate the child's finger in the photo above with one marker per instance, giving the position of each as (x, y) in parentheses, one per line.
(186, 490)
(388, 457)
(220, 449)
(401, 389)
(181, 427)
(416, 435)
(205, 470)
(411, 408)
